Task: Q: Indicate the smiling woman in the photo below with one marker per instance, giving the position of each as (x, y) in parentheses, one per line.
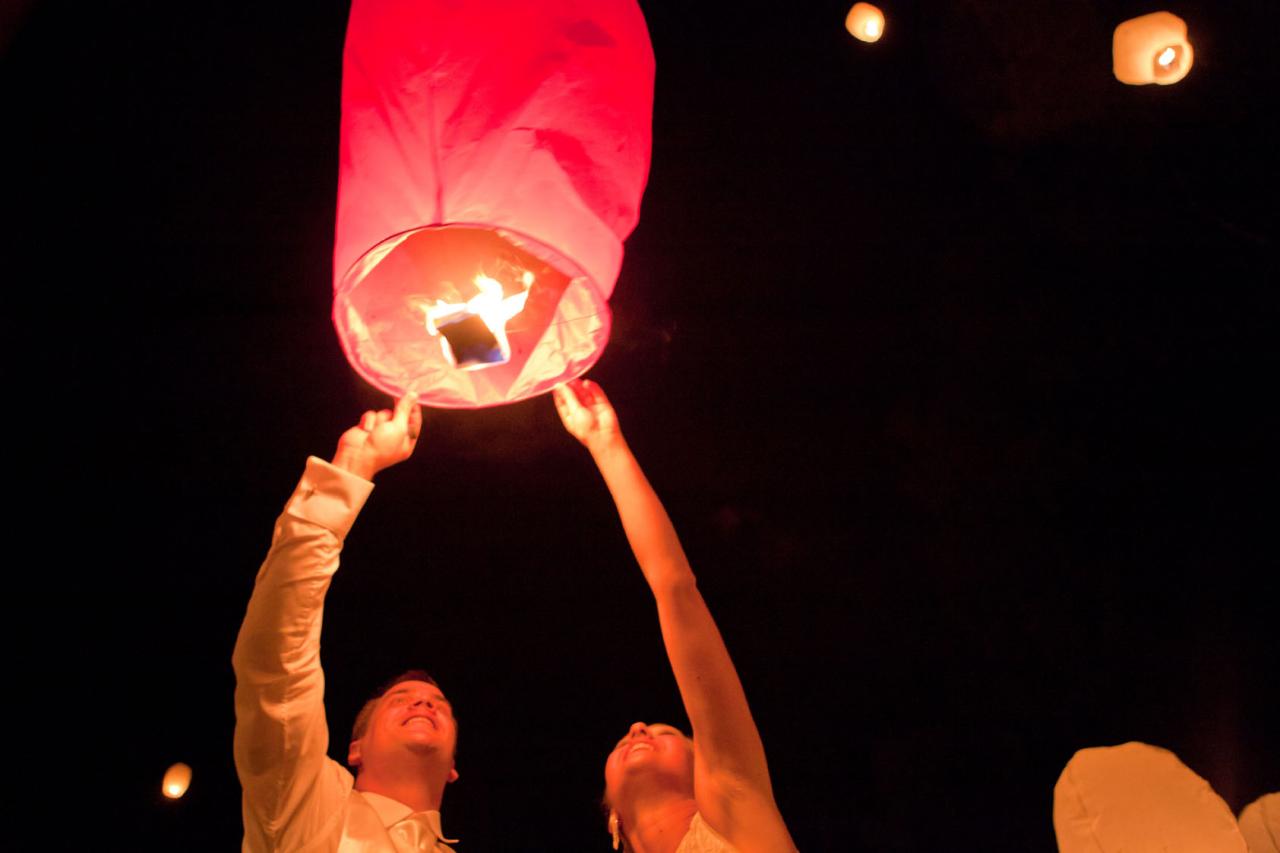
(663, 791)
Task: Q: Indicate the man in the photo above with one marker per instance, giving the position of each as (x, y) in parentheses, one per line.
(295, 797)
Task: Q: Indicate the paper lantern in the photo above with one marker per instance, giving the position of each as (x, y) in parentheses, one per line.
(176, 781)
(1151, 49)
(1131, 797)
(492, 160)
(1260, 824)
(865, 22)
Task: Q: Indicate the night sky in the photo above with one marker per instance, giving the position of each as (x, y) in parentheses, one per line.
(949, 356)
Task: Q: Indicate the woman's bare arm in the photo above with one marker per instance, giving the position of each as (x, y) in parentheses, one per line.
(728, 748)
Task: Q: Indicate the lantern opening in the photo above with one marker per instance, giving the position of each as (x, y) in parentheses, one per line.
(1168, 61)
(463, 309)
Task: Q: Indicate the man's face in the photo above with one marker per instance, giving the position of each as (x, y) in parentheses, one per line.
(413, 717)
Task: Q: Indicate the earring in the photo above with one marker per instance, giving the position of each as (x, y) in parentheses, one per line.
(613, 828)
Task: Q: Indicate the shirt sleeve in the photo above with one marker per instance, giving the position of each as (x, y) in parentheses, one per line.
(293, 793)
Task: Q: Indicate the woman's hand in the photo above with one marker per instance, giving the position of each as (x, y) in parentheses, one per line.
(587, 414)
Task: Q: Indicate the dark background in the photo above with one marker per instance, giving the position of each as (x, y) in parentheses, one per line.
(949, 355)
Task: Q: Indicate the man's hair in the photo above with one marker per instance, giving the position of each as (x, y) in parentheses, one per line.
(366, 712)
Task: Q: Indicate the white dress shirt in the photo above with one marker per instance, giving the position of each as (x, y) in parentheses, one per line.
(296, 798)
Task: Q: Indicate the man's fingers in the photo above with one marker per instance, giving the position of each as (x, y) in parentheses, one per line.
(368, 421)
(415, 422)
(384, 416)
(404, 406)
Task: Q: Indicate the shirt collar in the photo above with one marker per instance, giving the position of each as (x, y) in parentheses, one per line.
(391, 812)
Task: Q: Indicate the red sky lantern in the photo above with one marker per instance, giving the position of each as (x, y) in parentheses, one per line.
(492, 161)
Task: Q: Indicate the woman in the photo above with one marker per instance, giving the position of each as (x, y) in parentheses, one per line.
(666, 792)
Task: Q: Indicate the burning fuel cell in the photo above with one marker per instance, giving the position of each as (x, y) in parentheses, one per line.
(469, 343)
(473, 334)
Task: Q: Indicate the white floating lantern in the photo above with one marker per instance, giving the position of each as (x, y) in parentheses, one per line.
(1151, 49)
(176, 781)
(865, 22)
(1139, 797)
(1260, 824)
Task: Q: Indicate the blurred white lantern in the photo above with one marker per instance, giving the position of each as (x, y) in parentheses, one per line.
(1135, 797)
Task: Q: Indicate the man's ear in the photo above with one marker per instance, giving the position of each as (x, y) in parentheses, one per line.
(453, 774)
(353, 754)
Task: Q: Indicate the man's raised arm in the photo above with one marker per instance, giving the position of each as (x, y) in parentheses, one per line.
(292, 791)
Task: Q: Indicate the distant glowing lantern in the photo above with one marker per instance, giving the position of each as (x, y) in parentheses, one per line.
(865, 22)
(1151, 49)
(492, 161)
(176, 781)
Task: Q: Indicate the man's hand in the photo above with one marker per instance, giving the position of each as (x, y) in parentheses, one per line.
(586, 413)
(381, 439)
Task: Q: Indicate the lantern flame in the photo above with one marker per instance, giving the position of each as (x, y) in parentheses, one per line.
(176, 781)
(1167, 57)
(492, 308)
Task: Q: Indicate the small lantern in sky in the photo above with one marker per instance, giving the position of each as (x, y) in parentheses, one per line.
(176, 781)
(492, 160)
(1151, 49)
(865, 22)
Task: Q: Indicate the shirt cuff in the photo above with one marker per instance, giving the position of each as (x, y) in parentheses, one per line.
(329, 496)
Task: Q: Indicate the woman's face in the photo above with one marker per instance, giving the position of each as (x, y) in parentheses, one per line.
(649, 754)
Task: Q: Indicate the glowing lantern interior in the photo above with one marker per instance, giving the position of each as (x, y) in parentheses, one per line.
(176, 781)
(492, 162)
(865, 22)
(1151, 49)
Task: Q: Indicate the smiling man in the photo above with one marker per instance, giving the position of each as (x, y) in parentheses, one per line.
(403, 742)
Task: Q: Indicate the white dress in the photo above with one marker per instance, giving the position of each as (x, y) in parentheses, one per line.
(701, 838)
